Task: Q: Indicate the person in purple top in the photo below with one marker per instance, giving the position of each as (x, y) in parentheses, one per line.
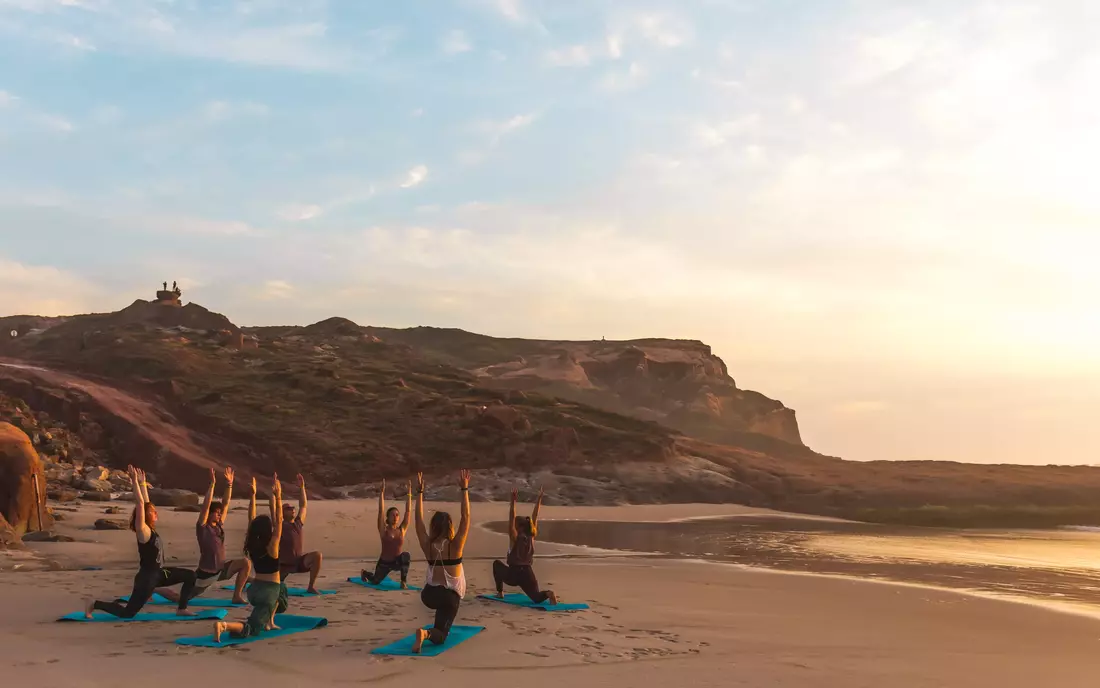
(392, 534)
(210, 532)
(291, 558)
(519, 571)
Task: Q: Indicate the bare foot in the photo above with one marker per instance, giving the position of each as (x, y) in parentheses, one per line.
(185, 612)
(219, 628)
(239, 600)
(421, 636)
(552, 598)
(500, 594)
(404, 585)
(89, 607)
(363, 575)
(312, 590)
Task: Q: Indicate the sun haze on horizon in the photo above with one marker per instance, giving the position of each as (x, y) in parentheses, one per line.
(882, 213)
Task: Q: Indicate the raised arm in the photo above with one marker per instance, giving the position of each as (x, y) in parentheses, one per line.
(408, 506)
(276, 517)
(302, 501)
(512, 519)
(421, 532)
(464, 524)
(144, 486)
(204, 513)
(252, 502)
(382, 509)
(535, 512)
(229, 475)
(143, 532)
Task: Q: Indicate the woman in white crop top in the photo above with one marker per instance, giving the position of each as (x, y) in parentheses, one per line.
(442, 546)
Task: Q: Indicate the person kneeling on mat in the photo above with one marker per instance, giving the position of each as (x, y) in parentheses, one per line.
(519, 571)
(151, 571)
(267, 593)
(291, 559)
(392, 534)
(442, 546)
(210, 531)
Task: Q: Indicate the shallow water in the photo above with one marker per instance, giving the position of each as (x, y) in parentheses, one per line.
(1055, 567)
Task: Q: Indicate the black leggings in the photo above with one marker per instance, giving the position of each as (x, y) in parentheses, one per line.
(445, 603)
(520, 576)
(383, 569)
(145, 582)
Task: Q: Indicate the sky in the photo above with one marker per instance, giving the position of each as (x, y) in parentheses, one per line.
(884, 213)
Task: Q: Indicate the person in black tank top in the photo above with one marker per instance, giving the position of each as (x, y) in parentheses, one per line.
(519, 571)
(152, 573)
(267, 593)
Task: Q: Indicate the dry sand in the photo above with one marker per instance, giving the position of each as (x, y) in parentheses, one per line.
(652, 622)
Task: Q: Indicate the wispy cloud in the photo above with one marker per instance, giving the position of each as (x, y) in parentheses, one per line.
(624, 79)
(499, 130)
(8, 99)
(298, 212)
(415, 177)
(221, 110)
(569, 56)
(664, 30)
(455, 42)
(276, 290)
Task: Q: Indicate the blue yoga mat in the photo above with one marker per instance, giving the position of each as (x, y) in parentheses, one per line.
(292, 592)
(387, 584)
(521, 600)
(206, 614)
(287, 623)
(194, 602)
(403, 647)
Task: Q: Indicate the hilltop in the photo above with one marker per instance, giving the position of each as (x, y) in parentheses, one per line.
(178, 388)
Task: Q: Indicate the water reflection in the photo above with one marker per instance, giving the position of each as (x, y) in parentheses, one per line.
(1059, 565)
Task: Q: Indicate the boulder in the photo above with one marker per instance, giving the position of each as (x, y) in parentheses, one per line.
(95, 496)
(190, 508)
(96, 473)
(113, 510)
(63, 494)
(161, 497)
(504, 417)
(95, 486)
(110, 524)
(19, 464)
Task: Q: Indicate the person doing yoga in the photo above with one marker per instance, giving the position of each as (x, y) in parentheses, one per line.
(519, 571)
(392, 533)
(210, 532)
(442, 546)
(151, 571)
(267, 592)
(291, 559)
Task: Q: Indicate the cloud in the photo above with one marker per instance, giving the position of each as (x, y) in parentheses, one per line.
(510, 9)
(415, 177)
(624, 79)
(418, 112)
(43, 290)
(8, 99)
(56, 123)
(276, 290)
(220, 110)
(498, 130)
(664, 30)
(456, 42)
(719, 134)
(298, 212)
(614, 46)
(571, 56)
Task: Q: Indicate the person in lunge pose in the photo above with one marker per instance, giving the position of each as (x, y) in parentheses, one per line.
(442, 546)
(151, 571)
(392, 533)
(210, 532)
(519, 571)
(291, 559)
(267, 592)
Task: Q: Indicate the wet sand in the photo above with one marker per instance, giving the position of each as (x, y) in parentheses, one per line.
(653, 621)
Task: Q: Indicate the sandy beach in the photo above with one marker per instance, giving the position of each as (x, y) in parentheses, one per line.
(651, 621)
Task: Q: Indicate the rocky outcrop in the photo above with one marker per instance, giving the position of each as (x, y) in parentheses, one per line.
(19, 467)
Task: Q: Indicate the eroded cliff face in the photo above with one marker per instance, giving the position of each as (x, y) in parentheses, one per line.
(679, 383)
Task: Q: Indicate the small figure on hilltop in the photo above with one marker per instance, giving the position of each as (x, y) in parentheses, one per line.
(165, 285)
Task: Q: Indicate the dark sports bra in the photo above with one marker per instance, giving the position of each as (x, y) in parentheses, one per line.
(150, 554)
(265, 563)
